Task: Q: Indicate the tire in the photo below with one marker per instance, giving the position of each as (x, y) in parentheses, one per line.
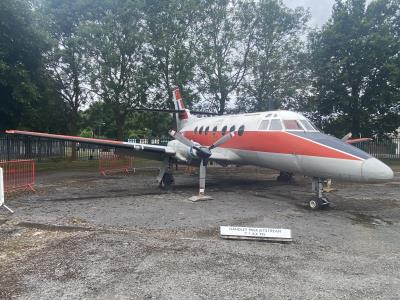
(167, 181)
(315, 204)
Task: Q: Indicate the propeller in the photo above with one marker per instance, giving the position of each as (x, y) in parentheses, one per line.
(347, 136)
(203, 153)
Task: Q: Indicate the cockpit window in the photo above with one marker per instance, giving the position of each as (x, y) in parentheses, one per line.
(275, 124)
(268, 115)
(201, 130)
(232, 129)
(206, 130)
(307, 125)
(195, 130)
(264, 125)
(292, 125)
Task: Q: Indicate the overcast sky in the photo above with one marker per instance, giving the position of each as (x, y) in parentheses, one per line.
(320, 9)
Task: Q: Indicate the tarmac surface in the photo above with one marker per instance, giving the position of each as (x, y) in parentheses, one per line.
(84, 236)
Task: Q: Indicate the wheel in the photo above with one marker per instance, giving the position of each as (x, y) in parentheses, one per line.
(285, 177)
(316, 203)
(167, 181)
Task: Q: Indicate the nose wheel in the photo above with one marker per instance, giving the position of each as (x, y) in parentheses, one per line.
(319, 201)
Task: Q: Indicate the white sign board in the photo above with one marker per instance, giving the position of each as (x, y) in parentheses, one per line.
(1, 187)
(277, 234)
(2, 192)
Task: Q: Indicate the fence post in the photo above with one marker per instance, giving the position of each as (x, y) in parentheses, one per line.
(8, 147)
(2, 192)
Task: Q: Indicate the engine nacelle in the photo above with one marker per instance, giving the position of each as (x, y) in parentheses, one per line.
(183, 153)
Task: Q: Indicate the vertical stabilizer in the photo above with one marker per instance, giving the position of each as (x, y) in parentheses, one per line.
(184, 116)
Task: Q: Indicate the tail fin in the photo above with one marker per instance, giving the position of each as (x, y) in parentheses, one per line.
(182, 117)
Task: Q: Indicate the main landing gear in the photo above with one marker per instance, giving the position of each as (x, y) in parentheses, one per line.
(319, 201)
(165, 178)
(285, 177)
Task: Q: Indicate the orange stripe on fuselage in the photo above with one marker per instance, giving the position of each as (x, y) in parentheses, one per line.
(271, 141)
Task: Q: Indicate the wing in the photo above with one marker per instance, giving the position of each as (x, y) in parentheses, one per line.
(140, 150)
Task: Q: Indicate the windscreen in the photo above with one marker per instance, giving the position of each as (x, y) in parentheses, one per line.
(292, 125)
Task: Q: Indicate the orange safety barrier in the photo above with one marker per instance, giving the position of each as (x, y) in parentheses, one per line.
(18, 174)
(113, 163)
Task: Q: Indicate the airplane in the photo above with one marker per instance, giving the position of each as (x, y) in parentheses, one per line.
(282, 140)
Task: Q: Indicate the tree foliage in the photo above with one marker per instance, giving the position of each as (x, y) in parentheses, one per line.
(172, 27)
(355, 64)
(72, 65)
(277, 69)
(120, 74)
(226, 38)
(26, 91)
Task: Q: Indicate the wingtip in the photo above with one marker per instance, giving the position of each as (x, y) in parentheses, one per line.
(10, 131)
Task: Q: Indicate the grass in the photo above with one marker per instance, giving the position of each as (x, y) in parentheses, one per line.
(392, 162)
(66, 164)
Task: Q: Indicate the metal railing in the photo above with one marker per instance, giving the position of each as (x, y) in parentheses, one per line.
(24, 147)
(382, 148)
(14, 147)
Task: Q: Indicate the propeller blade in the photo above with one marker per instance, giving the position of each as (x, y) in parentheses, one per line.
(202, 177)
(182, 139)
(222, 140)
(347, 136)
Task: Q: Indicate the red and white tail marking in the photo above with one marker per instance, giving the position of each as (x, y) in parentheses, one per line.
(178, 99)
(179, 105)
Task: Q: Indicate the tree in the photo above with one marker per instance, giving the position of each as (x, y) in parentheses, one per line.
(277, 73)
(117, 42)
(172, 27)
(24, 83)
(226, 38)
(356, 67)
(67, 58)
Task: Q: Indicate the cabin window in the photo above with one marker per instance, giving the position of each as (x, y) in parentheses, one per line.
(241, 130)
(292, 125)
(214, 131)
(307, 125)
(207, 129)
(195, 130)
(201, 130)
(264, 125)
(232, 129)
(275, 124)
(224, 130)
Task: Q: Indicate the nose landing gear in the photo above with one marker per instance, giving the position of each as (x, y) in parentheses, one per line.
(319, 201)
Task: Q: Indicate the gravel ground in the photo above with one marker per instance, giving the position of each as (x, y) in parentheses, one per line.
(120, 237)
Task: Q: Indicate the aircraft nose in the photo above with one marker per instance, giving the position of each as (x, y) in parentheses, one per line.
(375, 170)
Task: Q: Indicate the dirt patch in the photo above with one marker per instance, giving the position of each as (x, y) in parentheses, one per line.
(369, 220)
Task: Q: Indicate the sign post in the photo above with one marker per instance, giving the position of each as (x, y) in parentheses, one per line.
(2, 192)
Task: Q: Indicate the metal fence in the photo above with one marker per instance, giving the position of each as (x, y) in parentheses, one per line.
(24, 147)
(382, 148)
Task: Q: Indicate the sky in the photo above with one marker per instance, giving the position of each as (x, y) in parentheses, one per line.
(320, 9)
